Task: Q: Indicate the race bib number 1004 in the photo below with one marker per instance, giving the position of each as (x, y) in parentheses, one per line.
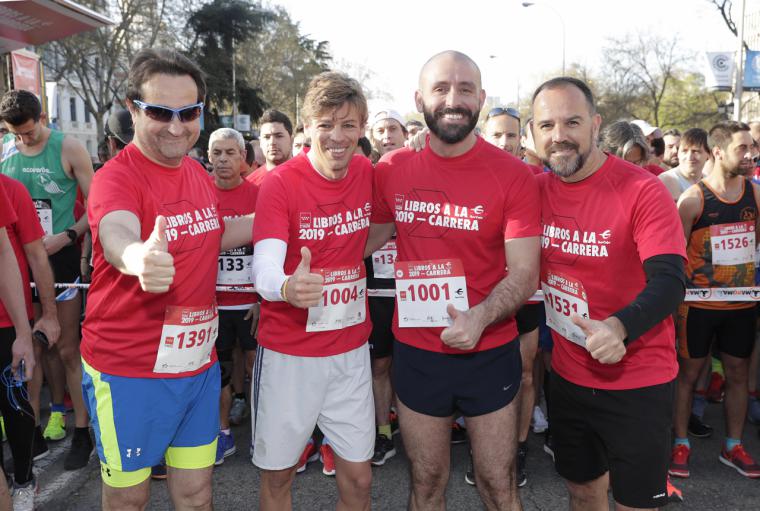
(343, 302)
(563, 297)
(424, 289)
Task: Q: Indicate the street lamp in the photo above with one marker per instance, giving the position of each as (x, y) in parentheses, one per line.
(562, 22)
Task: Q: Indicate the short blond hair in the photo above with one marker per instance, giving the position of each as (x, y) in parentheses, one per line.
(329, 91)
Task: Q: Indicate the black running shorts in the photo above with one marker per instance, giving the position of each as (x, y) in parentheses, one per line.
(438, 384)
(528, 317)
(381, 337)
(732, 329)
(625, 432)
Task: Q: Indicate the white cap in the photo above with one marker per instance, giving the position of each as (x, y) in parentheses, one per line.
(384, 114)
(647, 128)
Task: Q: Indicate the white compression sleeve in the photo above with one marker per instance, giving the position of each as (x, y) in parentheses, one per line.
(268, 268)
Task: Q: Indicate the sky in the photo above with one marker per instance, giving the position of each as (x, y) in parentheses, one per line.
(516, 47)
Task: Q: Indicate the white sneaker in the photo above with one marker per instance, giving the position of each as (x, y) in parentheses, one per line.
(23, 497)
(540, 423)
(239, 411)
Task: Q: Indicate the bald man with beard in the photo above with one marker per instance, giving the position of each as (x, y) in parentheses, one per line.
(461, 209)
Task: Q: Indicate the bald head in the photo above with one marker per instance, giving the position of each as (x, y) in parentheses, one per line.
(446, 60)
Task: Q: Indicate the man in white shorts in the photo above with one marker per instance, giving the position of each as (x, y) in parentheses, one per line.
(312, 365)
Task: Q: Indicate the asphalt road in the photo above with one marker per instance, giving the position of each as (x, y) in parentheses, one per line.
(712, 485)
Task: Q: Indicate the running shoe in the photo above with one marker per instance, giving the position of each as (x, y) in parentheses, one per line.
(23, 495)
(2, 428)
(225, 447)
(39, 445)
(239, 411)
(469, 476)
(56, 427)
(458, 433)
(80, 451)
(539, 420)
(327, 458)
(522, 456)
(384, 450)
(308, 455)
(740, 460)
(679, 461)
(699, 429)
(158, 472)
(674, 494)
(753, 409)
(715, 391)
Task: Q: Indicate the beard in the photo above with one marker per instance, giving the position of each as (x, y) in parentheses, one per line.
(565, 166)
(450, 134)
(738, 171)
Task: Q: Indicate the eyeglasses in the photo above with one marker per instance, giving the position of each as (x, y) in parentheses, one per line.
(494, 112)
(165, 114)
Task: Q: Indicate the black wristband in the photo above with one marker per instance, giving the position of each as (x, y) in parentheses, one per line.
(72, 234)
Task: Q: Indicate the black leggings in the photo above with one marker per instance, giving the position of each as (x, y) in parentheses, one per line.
(19, 424)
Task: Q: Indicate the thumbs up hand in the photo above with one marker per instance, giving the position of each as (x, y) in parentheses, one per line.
(604, 339)
(151, 261)
(464, 333)
(304, 289)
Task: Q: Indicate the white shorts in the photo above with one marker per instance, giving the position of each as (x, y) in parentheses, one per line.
(291, 394)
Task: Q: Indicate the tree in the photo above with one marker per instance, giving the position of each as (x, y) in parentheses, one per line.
(641, 66)
(724, 8)
(95, 63)
(219, 28)
(280, 61)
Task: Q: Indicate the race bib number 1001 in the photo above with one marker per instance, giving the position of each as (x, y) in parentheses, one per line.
(344, 299)
(187, 338)
(424, 289)
(563, 297)
(733, 244)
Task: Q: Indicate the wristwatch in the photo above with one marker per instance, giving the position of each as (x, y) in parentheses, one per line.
(72, 234)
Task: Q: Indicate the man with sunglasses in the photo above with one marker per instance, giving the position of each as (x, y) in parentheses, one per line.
(52, 166)
(151, 377)
(502, 129)
(463, 210)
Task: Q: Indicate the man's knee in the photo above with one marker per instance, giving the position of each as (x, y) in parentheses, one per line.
(429, 482)
(277, 481)
(194, 496)
(588, 491)
(130, 498)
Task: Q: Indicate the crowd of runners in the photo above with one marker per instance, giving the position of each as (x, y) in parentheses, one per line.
(340, 281)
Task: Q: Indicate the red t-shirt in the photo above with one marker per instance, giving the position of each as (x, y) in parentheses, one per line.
(123, 324)
(485, 196)
(654, 169)
(598, 232)
(331, 218)
(24, 230)
(7, 215)
(235, 264)
(257, 176)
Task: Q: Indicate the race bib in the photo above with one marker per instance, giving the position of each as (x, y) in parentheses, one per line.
(383, 259)
(187, 338)
(733, 244)
(563, 297)
(425, 288)
(235, 267)
(45, 214)
(343, 302)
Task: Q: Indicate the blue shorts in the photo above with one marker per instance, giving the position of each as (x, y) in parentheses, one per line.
(138, 421)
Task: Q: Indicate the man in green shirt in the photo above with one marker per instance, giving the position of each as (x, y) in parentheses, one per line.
(52, 166)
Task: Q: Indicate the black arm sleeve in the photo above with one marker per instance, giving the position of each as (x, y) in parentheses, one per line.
(665, 290)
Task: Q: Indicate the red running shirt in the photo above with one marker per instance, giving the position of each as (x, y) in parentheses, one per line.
(301, 207)
(24, 230)
(598, 232)
(123, 324)
(457, 208)
(235, 264)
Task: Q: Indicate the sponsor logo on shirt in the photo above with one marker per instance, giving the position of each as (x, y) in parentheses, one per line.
(431, 208)
(563, 235)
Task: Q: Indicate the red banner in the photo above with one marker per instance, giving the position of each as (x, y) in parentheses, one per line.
(26, 72)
